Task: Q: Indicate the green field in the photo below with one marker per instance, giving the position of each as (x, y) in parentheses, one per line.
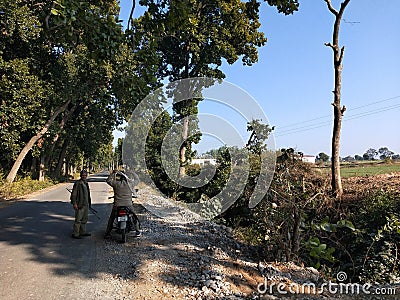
(365, 168)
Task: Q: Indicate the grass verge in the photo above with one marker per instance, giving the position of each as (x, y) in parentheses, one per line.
(12, 190)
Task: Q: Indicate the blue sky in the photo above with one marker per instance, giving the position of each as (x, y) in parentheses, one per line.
(293, 80)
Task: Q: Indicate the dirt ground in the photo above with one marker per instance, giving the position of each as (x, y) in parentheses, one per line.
(359, 185)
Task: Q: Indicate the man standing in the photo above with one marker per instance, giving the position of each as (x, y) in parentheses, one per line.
(81, 201)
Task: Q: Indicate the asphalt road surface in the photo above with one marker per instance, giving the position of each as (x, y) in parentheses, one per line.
(38, 257)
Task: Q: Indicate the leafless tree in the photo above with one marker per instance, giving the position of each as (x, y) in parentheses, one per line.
(338, 110)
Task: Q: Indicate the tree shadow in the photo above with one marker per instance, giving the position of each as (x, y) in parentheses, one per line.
(191, 250)
(45, 228)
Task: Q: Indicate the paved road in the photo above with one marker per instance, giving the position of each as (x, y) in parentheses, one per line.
(38, 257)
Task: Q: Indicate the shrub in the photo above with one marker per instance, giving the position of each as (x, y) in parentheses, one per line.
(22, 187)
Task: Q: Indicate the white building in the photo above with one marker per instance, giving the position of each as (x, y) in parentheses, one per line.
(204, 161)
(308, 159)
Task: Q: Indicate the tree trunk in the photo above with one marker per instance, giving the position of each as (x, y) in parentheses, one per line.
(61, 157)
(185, 120)
(185, 130)
(64, 120)
(42, 167)
(338, 111)
(33, 168)
(32, 141)
(296, 232)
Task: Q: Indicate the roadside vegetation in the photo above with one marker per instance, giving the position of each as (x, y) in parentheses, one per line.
(299, 220)
(21, 187)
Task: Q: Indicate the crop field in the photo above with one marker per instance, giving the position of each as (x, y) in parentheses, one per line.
(365, 169)
(360, 169)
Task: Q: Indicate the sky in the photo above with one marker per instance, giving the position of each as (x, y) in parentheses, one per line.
(293, 79)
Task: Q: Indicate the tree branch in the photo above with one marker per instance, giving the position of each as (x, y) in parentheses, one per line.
(331, 8)
(341, 54)
(330, 45)
(131, 14)
(342, 6)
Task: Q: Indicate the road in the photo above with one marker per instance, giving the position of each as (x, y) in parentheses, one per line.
(38, 257)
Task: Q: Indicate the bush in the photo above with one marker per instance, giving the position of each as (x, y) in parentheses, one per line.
(375, 253)
(22, 187)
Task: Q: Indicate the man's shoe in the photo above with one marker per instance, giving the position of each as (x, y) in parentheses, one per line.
(86, 234)
(138, 233)
(76, 237)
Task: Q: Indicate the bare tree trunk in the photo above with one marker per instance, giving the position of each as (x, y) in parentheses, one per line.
(338, 111)
(32, 141)
(185, 121)
(185, 130)
(33, 168)
(296, 231)
(42, 167)
(61, 158)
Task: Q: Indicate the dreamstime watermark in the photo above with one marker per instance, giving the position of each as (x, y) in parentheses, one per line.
(231, 100)
(340, 287)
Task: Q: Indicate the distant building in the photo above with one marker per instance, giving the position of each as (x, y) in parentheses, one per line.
(204, 161)
(308, 159)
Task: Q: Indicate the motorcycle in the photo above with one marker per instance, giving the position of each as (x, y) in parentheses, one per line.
(124, 221)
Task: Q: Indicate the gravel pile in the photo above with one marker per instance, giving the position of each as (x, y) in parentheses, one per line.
(179, 255)
(182, 256)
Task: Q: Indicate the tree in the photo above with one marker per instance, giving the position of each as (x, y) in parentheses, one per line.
(358, 157)
(370, 154)
(193, 36)
(348, 158)
(385, 153)
(338, 110)
(323, 157)
(41, 35)
(259, 134)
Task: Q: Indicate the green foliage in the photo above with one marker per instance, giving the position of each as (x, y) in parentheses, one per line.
(374, 246)
(54, 53)
(319, 251)
(71, 22)
(22, 187)
(192, 38)
(323, 157)
(259, 134)
(381, 263)
(22, 95)
(284, 6)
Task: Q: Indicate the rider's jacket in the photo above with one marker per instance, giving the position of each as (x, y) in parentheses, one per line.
(122, 189)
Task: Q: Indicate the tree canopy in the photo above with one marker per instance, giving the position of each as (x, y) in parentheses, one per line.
(70, 73)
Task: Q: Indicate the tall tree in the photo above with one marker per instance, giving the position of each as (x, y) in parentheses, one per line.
(193, 37)
(338, 110)
(59, 28)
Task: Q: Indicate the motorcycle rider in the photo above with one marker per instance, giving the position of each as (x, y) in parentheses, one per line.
(124, 190)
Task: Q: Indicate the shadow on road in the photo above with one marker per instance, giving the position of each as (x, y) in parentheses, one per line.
(44, 228)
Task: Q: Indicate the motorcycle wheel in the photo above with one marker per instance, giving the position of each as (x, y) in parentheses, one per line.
(123, 233)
